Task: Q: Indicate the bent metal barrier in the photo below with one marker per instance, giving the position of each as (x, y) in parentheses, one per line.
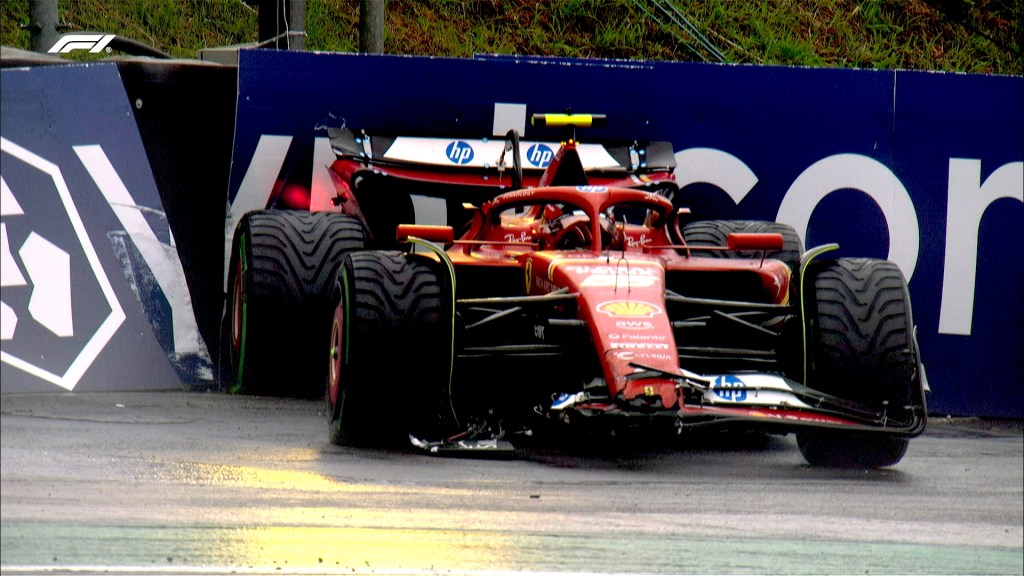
(94, 296)
(925, 169)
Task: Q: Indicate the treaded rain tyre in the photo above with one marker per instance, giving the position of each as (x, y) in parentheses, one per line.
(282, 275)
(861, 347)
(716, 233)
(391, 350)
(850, 450)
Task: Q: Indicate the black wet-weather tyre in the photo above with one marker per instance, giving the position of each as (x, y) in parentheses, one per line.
(861, 348)
(716, 233)
(390, 350)
(850, 450)
(282, 276)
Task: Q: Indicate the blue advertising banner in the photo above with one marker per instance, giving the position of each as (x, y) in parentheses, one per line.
(93, 293)
(924, 169)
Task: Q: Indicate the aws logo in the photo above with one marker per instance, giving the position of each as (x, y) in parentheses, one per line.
(629, 309)
(634, 324)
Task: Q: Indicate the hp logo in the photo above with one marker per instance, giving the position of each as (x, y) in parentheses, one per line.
(730, 388)
(539, 155)
(459, 152)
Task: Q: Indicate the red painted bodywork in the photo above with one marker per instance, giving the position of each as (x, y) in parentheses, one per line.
(564, 232)
(618, 273)
(621, 290)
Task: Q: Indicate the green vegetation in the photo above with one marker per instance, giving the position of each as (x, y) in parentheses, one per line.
(978, 36)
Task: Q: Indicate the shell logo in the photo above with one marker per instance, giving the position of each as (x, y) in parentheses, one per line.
(628, 309)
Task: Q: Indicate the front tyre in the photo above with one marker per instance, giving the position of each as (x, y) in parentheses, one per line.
(861, 348)
(716, 233)
(390, 350)
(851, 450)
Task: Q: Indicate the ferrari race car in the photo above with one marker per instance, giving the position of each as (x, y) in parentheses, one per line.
(574, 296)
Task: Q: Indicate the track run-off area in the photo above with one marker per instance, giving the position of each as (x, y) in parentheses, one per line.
(209, 483)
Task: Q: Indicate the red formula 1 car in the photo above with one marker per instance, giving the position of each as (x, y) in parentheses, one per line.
(580, 297)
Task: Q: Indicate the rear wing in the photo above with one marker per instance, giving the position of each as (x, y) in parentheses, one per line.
(457, 154)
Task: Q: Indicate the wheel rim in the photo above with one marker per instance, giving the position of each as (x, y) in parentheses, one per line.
(337, 352)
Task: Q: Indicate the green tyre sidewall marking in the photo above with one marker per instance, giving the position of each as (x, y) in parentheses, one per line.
(239, 377)
(337, 410)
(346, 334)
(451, 274)
(806, 260)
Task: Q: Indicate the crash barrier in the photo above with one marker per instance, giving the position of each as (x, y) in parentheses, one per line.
(924, 169)
(104, 168)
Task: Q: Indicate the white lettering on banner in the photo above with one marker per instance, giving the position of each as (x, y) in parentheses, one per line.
(869, 176)
(321, 192)
(161, 258)
(715, 167)
(10, 274)
(8, 203)
(254, 191)
(968, 199)
(99, 339)
(49, 269)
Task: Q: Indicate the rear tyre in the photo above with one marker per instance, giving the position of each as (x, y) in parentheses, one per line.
(390, 350)
(861, 348)
(716, 233)
(282, 274)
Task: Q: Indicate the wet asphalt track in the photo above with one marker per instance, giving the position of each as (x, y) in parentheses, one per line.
(203, 483)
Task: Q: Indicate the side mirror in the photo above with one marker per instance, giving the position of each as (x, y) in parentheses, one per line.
(739, 241)
(439, 234)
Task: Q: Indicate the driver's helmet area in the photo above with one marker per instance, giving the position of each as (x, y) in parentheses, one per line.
(560, 226)
(549, 225)
(564, 227)
(552, 225)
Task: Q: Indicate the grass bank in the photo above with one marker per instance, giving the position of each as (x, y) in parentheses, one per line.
(977, 36)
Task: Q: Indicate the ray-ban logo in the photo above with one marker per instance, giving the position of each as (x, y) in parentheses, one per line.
(94, 43)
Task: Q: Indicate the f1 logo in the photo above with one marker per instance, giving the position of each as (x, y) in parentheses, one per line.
(94, 43)
(459, 152)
